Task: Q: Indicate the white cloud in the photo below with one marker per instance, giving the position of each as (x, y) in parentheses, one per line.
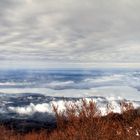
(43, 32)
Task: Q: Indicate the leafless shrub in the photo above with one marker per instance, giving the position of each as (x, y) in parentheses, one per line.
(84, 122)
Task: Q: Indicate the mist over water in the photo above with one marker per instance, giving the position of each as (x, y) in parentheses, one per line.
(68, 79)
(27, 93)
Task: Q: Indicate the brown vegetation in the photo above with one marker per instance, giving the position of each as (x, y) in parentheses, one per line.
(85, 123)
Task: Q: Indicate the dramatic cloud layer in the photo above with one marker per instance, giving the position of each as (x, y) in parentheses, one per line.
(43, 32)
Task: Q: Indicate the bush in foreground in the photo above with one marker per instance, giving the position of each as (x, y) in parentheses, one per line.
(84, 122)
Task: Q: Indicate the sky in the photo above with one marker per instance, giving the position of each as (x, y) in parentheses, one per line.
(69, 33)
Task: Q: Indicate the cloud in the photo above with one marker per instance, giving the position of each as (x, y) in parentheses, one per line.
(72, 31)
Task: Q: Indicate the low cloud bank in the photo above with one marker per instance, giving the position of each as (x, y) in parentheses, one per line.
(102, 104)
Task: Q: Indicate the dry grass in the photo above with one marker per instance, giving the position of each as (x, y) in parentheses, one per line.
(85, 123)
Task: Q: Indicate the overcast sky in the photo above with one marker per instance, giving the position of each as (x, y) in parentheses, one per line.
(69, 33)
